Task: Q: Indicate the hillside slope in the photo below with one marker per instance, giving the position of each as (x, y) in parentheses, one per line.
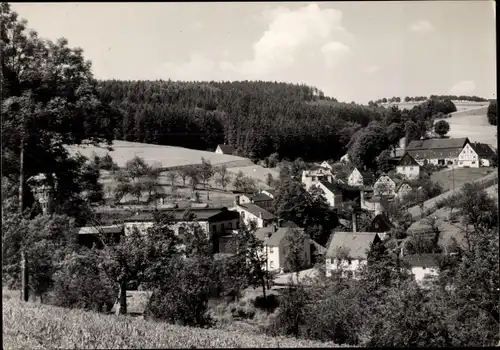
(31, 326)
(473, 123)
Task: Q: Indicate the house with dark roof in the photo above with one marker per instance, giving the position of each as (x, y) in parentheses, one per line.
(332, 193)
(215, 222)
(225, 149)
(437, 151)
(423, 266)
(408, 167)
(380, 224)
(93, 236)
(250, 212)
(348, 251)
(476, 154)
(261, 199)
(276, 246)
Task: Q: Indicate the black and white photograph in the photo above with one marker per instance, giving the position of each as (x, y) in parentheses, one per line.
(249, 174)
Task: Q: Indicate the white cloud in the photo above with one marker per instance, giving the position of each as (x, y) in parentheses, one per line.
(464, 87)
(371, 69)
(422, 26)
(293, 38)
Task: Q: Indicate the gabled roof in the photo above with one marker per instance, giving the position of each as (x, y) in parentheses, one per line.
(226, 149)
(357, 244)
(384, 174)
(400, 184)
(89, 230)
(407, 160)
(271, 191)
(380, 223)
(422, 260)
(255, 210)
(260, 197)
(271, 238)
(333, 188)
(437, 144)
(482, 149)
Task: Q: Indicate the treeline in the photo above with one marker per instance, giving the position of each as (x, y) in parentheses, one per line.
(396, 99)
(492, 112)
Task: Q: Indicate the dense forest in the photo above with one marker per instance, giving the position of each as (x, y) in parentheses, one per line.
(258, 118)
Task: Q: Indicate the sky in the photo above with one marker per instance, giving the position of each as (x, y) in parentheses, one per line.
(353, 51)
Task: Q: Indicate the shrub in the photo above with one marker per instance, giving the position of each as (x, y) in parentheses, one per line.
(81, 283)
(271, 302)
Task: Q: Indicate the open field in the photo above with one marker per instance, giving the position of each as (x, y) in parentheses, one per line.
(461, 176)
(32, 326)
(485, 182)
(473, 124)
(169, 156)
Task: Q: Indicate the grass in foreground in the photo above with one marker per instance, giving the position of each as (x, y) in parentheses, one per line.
(33, 326)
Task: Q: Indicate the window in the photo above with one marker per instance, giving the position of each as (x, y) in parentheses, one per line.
(222, 227)
(271, 250)
(271, 264)
(237, 224)
(214, 228)
(181, 231)
(230, 225)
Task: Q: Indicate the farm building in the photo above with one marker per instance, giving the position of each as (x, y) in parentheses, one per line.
(408, 167)
(348, 251)
(89, 236)
(225, 149)
(276, 243)
(476, 154)
(250, 212)
(437, 151)
(214, 222)
(261, 199)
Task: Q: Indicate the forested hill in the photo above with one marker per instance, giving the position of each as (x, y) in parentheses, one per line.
(258, 118)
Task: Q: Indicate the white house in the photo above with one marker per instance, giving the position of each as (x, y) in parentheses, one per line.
(225, 149)
(408, 167)
(358, 179)
(347, 251)
(384, 186)
(370, 202)
(326, 165)
(261, 199)
(276, 246)
(313, 176)
(424, 267)
(476, 154)
(250, 212)
(332, 193)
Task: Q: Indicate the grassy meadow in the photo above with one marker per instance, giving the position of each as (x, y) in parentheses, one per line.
(461, 175)
(34, 326)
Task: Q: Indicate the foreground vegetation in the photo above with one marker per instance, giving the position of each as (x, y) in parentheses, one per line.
(31, 326)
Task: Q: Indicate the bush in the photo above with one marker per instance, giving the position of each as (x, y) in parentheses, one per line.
(271, 302)
(81, 283)
(106, 163)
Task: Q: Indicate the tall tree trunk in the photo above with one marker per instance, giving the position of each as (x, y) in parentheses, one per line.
(21, 176)
(122, 308)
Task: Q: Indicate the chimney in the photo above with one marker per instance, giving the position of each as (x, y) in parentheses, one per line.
(354, 222)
